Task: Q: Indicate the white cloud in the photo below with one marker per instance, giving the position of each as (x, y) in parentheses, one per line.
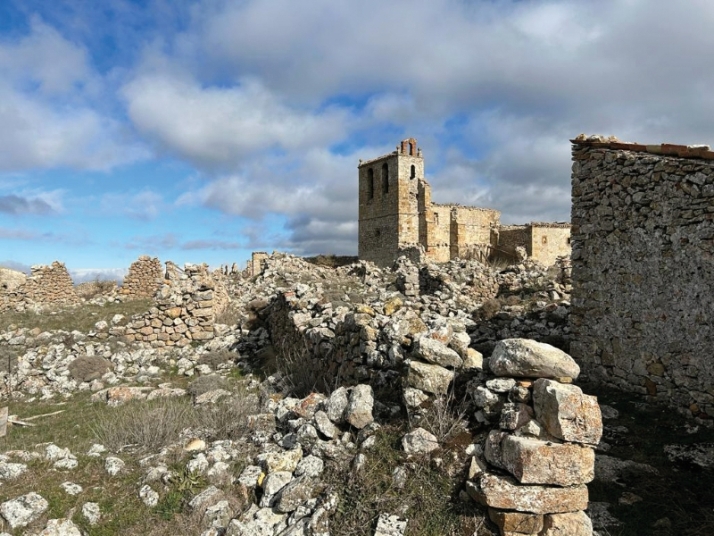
(220, 126)
(145, 205)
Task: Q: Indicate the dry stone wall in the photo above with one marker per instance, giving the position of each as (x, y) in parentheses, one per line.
(144, 278)
(643, 270)
(46, 286)
(185, 310)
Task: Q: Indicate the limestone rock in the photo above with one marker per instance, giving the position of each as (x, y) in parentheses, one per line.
(524, 358)
(430, 378)
(23, 510)
(113, 465)
(148, 496)
(567, 413)
(506, 493)
(359, 409)
(419, 441)
(298, 491)
(60, 527)
(435, 351)
(91, 512)
(533, 461)
(570, 524)
(473, 359)
(336, 404)
(390, 526)
(519, 522)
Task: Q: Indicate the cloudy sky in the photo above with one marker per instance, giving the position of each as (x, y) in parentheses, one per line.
(198, 131)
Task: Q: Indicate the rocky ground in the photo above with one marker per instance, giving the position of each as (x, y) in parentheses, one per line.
(231, 437)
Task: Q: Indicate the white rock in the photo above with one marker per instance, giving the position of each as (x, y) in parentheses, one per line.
(70, 488)
(60, 527)
(113, 465)
(8, 471)
(419, 441)
(91, 512)
(149, 497)
(23, 510)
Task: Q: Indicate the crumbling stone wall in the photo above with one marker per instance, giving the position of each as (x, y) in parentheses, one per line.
(144, 278)
(643, 246)
(46, 286)
(185, 310)
(257, 262)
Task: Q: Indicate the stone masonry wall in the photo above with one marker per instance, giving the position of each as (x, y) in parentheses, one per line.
(144, 278)
(46, 286)
(185, 310)
(257, 260)
(549, 241)
(643, 270)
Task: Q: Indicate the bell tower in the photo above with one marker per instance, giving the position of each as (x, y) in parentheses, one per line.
(388, 203)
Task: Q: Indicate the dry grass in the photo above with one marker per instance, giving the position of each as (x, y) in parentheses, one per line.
(429, 498)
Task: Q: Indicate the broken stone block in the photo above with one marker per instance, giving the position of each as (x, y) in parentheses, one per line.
(390, 526)
(518, 522)
(430, 378)
(570, 524)
(505, 493)
(566, 413)
(435, 351)
(524, 358)
(492, 448)
(533, 461)
(359, 408)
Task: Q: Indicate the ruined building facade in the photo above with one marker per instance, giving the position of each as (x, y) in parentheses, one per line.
(643, 268)
(397, 217)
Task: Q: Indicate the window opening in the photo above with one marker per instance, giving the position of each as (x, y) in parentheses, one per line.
(370, 183)
(413, 172)
(385, 179)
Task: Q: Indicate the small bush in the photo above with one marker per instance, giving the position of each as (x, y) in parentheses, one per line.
(228, 419)
(489, 309)
(86, 368)
(218, 357)
(203, 384)
(145, 426)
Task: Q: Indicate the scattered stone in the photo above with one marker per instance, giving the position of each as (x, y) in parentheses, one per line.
(60, 527)
(70, 488)
(23, 510)
(436, 352)
(113, 465)
(359, 409)
(567, 524)
(390, 525)
(430, 378)
(9, 471)
(419, 441)
(148, 496)
(91, 512)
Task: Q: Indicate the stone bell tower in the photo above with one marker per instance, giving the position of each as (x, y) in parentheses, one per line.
(388, 203)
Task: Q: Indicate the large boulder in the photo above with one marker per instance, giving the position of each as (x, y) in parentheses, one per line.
(524, 358)
(23, 510)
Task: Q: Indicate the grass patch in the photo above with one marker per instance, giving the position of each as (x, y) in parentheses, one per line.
(428, 499)
(81, 318)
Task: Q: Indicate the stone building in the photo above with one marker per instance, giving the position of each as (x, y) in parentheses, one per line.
(397, 217)
(643, 268)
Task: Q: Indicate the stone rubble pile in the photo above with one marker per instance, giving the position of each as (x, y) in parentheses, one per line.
(535, 465)
(144, 278)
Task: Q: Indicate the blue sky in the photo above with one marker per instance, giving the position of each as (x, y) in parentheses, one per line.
(199, 131)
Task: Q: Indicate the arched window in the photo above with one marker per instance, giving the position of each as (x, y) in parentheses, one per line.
(413, 172)
(370, 183)
(385, 179)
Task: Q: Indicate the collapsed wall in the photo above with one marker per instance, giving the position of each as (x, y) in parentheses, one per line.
(643, 246)
(143, 279)
(46, 286)
(186, 305)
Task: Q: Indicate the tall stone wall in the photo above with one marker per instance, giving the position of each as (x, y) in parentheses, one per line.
(471, 231)
(144, 278)
(643, 268)
(46, 286)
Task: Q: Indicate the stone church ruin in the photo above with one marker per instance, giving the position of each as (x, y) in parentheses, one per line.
(397, 217)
